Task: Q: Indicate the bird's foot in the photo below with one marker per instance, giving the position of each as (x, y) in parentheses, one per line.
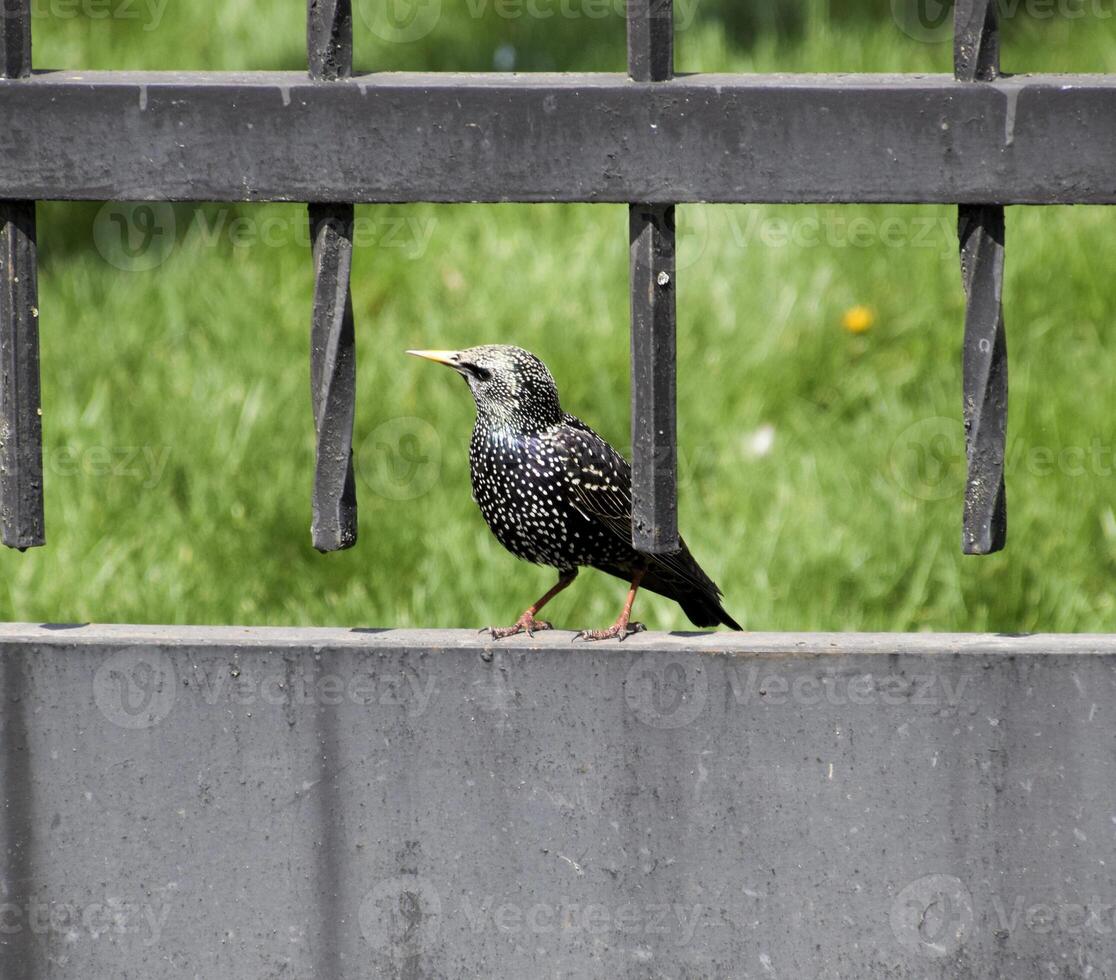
(618, 631)
(525, 624)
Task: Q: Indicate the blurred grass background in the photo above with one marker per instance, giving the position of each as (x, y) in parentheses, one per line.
(821, 466)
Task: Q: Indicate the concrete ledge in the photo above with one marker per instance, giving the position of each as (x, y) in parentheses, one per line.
(64, 635)
(227, 803)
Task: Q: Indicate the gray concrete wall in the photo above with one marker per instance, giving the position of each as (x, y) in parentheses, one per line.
(227, 803)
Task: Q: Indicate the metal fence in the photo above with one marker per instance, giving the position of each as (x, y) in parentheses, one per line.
(978, 139)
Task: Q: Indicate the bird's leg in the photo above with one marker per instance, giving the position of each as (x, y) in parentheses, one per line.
(621, 628)
(527, 622)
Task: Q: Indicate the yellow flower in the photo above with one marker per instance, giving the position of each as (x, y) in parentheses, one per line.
(858, 319)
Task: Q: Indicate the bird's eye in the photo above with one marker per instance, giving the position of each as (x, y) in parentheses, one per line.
(478, 372)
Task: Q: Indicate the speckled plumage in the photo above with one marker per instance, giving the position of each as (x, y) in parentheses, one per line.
(553, 491)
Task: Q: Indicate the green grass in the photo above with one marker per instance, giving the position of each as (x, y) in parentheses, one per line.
(177, 423)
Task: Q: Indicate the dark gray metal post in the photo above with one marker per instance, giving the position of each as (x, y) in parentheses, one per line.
(981, 234)
(21, 430)
(329, 41)
(651, 40)
(653, 319)
(329, 38)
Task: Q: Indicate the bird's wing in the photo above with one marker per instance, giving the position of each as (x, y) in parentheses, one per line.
(602, 485)
(600, 476)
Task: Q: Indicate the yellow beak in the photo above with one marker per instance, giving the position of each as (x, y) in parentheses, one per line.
(447, 357)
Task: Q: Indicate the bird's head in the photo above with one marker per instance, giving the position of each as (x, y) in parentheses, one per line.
(511, 386)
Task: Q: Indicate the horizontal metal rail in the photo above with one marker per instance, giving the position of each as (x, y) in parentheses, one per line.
(1039, 139)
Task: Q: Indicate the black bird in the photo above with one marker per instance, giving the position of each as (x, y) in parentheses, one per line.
(555, 493)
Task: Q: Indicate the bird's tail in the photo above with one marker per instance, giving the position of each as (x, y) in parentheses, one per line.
(697, 594)
(677, 576)
(705, 610)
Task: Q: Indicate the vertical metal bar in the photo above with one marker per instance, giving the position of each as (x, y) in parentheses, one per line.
(15, 38)
(651, 40)
(333, 378)
(651, 240)
(329, 42)
(21, 430)
(976, 41)
(985, 385)
(654, 428)
(329, 38)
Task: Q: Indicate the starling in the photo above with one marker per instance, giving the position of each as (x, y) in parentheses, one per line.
(555, 493)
